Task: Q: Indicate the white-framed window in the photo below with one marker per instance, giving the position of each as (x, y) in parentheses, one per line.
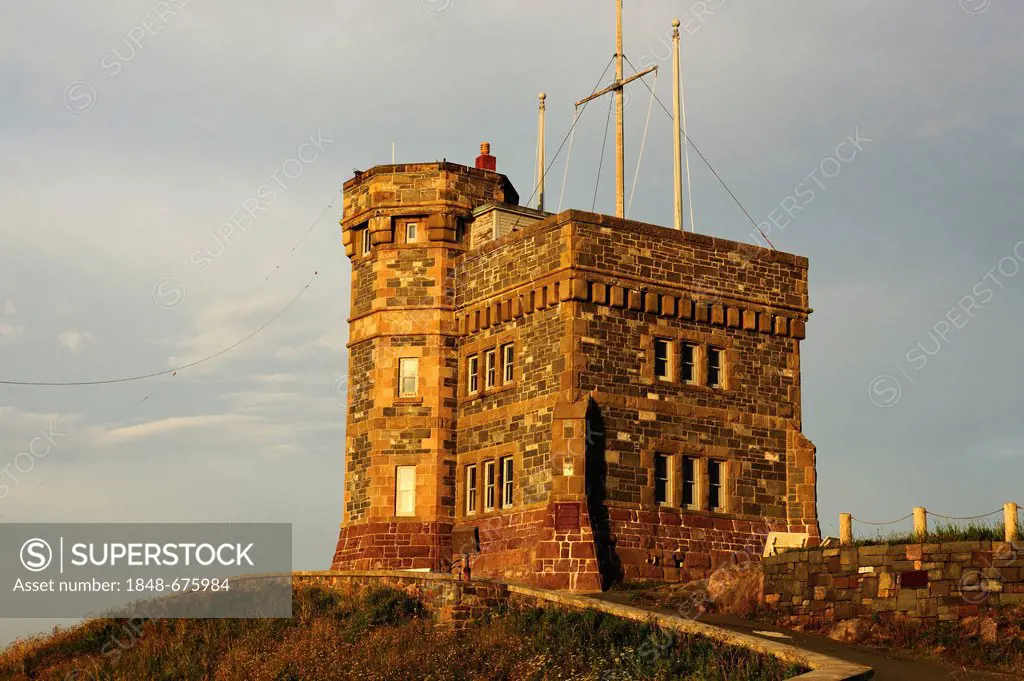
(689, 363)
(662, 479)
(367, 243)
(408, 376)
(508, 363)
(471, 489)
(405, 490)
(662, 359)
(716, 365)
(490, 485)
(690, 483)
(473, 375)
(508, 481)
(490, 368)
(716, 485)
(410, 232)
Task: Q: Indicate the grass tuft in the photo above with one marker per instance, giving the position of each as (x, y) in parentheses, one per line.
(943, 532)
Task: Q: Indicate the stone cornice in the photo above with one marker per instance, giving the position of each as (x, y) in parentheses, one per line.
(562, 285)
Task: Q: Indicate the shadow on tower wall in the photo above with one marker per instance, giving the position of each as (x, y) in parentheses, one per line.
(596, 487)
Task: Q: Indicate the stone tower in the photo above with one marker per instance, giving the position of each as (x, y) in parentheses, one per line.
(403, 230)
(574, 398)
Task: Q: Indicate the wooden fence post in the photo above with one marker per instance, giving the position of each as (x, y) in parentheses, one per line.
(1010, 520)
(845, 529)
(920, 522)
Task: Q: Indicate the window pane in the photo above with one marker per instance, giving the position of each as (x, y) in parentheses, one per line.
(689, 482)
(688, 357)
(715, 485)
(714, 367)
(471, 372)
(470, 489)
(490, 369)
(489, 482)
(661, 358)
(408, 372)
(507, 481)
(410, 232)
(508, 363)
(405, 490)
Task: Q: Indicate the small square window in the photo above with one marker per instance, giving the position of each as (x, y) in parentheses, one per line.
(690, 482)
(508, 363)
(490, 368)
(490, 485)
(410, 232)
(473, 375)
(408, 376)
(662, 479)
(715, 366)
(689, 363)
(662, 359)
(405, 490)
(470, 490)
(367, 242)
(716, 479)
(507, 481)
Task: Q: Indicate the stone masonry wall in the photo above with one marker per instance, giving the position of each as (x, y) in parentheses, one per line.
(944, 581)
(634, 283)
(520, 542)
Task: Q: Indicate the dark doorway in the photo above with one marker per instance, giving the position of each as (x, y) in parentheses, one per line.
(596, 487)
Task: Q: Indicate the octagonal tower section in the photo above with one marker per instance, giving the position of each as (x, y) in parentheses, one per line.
(404, 230)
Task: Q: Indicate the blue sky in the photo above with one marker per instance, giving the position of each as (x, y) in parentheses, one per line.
(138, 134)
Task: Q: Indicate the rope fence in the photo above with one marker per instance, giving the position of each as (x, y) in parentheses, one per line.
(891, 522)
(920, 516)
(968, 517)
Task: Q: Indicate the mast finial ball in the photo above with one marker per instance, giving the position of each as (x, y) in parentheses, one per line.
(543, 96)
(676, 23)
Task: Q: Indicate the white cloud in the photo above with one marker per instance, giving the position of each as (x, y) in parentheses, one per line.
(9, 332)
(275, 378)
(1003, 448)
(170, 425)
(332, 342)
(74, 340)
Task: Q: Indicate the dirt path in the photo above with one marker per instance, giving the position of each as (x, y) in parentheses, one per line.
(888, 666)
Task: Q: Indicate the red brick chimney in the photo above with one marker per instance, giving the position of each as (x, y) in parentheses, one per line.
(485, 161)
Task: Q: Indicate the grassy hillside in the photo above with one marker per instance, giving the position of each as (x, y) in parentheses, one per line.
(382, 635)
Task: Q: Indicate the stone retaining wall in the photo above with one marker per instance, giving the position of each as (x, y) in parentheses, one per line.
(448, 600)
(944, 581)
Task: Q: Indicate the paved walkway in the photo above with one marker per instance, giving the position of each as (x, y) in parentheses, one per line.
(888, 666)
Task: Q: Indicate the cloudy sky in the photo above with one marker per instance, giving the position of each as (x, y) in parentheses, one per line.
(172, 183)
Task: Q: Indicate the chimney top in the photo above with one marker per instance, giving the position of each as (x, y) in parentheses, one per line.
(485, 161)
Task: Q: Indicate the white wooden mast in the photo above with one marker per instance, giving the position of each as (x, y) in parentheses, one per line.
(541, 153)
(618, 87)
(620, 124)
(677, 129)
